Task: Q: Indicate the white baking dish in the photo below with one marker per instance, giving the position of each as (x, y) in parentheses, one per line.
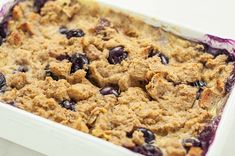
(50, 138)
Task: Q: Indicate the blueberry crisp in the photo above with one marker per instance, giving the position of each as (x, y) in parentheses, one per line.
(113, 76)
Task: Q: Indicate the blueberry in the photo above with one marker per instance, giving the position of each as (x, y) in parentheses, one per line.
(147, 150)
(117, 54)
(74, 33)
(103, 22)
(148, 134)
(63, 30)
(3, 29)
(68, 105)
(2, 82)
(198, 84)
(164, 59)
(191, 142)
(23, 69)
(110, 90)
(78, 61)
(71, 33)
(38, 4)
(50, 74)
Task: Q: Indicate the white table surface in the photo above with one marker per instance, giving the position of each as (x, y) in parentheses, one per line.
(210, 16)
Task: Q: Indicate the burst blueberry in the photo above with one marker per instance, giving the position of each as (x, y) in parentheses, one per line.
(63, 30)
(70, 105)
(117, 55)
(191, 142)
(103, 22)
(148, 134)
(38, 4)
(164, 58)
(3, 29)
(147, 150)
(71, 33)
(198, 84)
(78, 61)
(74, 33)
(110, 90)
(50, 74)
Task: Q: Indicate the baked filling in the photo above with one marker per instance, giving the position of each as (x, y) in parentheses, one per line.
(113, 76)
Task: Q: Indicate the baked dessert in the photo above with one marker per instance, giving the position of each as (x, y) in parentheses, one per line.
(113, 76)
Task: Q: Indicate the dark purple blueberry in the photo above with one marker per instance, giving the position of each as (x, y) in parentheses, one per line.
(230, 81)
(2, 82)
(74, 33)
(38, 4)
(103, 22)
(117, 54)
(50, 74)
(147, 150)
(3, 29)
(110, 90)
(191, 142)
(198, 84)
(23, 69)
(68, 105)
(164, 59)
(148, 134)
(78, 61)
(63, 30)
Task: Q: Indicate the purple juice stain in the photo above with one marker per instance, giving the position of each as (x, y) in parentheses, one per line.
(146, 150)
(216, 51)
(207, 135)
(230, 81)
(4, 23)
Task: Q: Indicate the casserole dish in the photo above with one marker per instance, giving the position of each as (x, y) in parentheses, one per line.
(211, 40)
